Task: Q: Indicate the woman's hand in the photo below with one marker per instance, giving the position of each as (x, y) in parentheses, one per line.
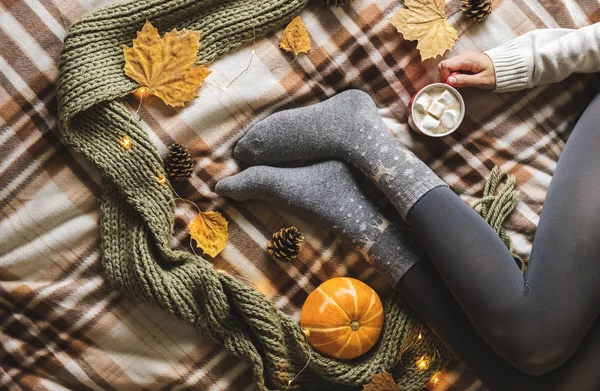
(477, 70)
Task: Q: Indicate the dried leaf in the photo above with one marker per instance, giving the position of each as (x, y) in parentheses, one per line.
(166, 65)
(209, 230)
(295, 37)
(382, 381)
(426, 22)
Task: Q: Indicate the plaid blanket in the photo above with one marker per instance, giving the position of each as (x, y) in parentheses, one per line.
(63, 327)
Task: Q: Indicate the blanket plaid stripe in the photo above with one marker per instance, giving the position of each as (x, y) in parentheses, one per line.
(63, 327)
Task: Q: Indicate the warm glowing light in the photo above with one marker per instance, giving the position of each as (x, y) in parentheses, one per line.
(221, 271)
(125, 142)
(420, 336)
(435, 380)
(141, 93)
(263, 286)
(423, 363)
(161, 179)
(290, 382)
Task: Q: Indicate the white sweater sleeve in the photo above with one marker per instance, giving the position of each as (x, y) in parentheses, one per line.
(546, 56)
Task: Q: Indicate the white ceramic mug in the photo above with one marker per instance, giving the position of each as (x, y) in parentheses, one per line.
(417, 128)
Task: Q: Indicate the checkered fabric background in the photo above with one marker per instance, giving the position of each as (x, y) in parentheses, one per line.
(63, 327)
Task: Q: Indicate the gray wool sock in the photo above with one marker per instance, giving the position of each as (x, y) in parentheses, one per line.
(348, 127)
(327, 193)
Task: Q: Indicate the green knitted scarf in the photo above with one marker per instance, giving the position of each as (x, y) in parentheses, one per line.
(138, 210)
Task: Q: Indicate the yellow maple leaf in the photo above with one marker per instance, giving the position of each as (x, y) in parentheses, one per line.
(426, 22)
(382, 381)
(165, 66)
(209, 230)
(295, 38)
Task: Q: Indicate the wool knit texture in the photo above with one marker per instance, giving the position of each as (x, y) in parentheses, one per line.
(545, 56)
(138, 210)
(348, 127)
(327, 193)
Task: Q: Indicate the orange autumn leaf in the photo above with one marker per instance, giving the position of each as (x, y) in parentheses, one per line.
(165, 66)
(425, 21)
(209, 230)
(295, 38)
(382, 381)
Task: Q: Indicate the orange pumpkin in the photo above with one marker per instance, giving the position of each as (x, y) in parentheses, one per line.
(342, 318)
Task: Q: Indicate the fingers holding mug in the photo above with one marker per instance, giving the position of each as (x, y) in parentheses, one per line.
(468, 69)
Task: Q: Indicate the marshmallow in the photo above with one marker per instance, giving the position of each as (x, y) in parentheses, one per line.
(449, 118)
(430, 124)
(447, 98)
(422, 103)
(436, 109)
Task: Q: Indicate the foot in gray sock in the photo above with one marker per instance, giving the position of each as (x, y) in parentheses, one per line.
(346, 126)
(327, 193)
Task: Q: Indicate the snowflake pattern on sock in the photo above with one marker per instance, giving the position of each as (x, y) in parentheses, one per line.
(327, 193)
(346, 126)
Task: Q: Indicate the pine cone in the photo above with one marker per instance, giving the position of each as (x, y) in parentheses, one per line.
(179, 163)
(286, 244)
(477, 10)
(335, 3)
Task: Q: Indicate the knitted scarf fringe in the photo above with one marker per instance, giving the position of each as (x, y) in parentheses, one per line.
(495, 208)
(138, 210)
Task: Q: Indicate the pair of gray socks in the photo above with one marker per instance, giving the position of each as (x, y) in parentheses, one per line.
(343, 130)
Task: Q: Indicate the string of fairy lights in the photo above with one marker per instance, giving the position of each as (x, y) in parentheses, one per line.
(423, 363)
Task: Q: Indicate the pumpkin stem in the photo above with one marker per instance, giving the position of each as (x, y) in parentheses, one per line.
(355, 325)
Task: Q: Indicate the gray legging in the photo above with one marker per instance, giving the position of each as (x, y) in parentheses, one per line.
(536, 322)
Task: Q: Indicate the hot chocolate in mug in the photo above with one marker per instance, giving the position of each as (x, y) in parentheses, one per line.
(436, 110)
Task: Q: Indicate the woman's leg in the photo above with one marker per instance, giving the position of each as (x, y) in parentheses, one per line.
(423, 289)
(296, 189)
(425, 292)
(325, 193)
(535, 322)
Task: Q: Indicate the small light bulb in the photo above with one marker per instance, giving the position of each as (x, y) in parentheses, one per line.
(435, 380)
(125, 142)
(423, 363)
(290, 382)
(161, 179)
(420, 336)
(141, 93)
